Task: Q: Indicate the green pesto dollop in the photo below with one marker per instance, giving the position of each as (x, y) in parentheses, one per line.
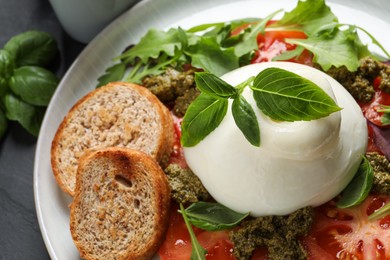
(360, 83)
(174, 87)
(185, 186)
(381, 167)
(278, 233)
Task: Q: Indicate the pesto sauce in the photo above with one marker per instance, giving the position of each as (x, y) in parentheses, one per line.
(278, 233)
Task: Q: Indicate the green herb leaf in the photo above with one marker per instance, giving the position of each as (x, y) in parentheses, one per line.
(309, 16)
(207, 54)
(6, 64)
(198, 252)
(214, 86)
(288, 55)
(203, 115)
(336, 48)
(213, 216)
(358, 189)
(32, 48)
(153, 44)
(34, 85)
(3, 124)
(29, 116)
(380, 213)
(113, 73)
(286, 96)
(246, 120)
(249, 41)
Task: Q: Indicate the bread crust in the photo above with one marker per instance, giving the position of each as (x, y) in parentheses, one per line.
(89, 125)
(97, 220)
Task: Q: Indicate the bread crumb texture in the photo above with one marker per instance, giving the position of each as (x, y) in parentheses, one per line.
(118, 114)
(120, 208)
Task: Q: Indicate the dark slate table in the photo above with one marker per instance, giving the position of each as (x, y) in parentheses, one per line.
(20, 237)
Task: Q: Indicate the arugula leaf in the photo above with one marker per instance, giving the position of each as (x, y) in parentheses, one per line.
(385, 119)
(212, 216)
(308, 16)
(246, 120)
(380, 213)
(34, 85)
(285, 96)
(153, 44)
(203, 115)
(336, 48)
(208, 55)
(249, 40)
(32, 48)
(29, 116)
(113, 73)
(198, 252)
(214, 86)
(358, 189)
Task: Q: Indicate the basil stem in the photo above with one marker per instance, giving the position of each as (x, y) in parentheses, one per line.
(198, 252)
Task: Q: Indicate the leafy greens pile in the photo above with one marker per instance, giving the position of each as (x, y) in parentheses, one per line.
(25, 85)
(213, 48)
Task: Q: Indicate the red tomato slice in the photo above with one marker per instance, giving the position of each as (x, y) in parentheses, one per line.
(370, 110)
(177, 245)
(348, 234)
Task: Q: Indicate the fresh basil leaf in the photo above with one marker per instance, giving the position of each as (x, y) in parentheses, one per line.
(358, 189)
(32, 48)
(203, 115)
(213, 216)
(249, 41)
(113, 73)
(286, 96)
(309, 16)
(6, 64)
(380, 213)
(35, 85)
(153, 44)
(207, 54)
(337, 48)
(198, 252)
(246, 120)
(3, 124)
(214, 86)
(29, 116)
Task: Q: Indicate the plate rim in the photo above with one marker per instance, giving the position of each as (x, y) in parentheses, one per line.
(137, 8)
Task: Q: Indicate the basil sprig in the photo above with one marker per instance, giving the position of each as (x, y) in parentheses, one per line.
(208, 216)
(360, 186)
(26, 86)
(279, 94)
(380, 213)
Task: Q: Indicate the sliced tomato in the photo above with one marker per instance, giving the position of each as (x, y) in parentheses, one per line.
(177, 245)
(370, 110)
(348, 234)
(177, 155)
(273, 43)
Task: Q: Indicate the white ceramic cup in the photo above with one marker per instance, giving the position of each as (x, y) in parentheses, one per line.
(83, 19)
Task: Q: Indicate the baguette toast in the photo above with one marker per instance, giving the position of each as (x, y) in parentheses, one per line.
(117, 114)
(121, 205)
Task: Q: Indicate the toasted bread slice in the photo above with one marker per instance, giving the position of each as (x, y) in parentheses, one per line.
(121, 204)
(118, 114)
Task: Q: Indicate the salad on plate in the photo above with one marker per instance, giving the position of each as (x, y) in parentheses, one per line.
(282, 135)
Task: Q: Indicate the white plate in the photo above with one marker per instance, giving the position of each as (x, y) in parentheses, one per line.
(51, 202)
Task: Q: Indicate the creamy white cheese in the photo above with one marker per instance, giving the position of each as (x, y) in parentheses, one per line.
(297, 164)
